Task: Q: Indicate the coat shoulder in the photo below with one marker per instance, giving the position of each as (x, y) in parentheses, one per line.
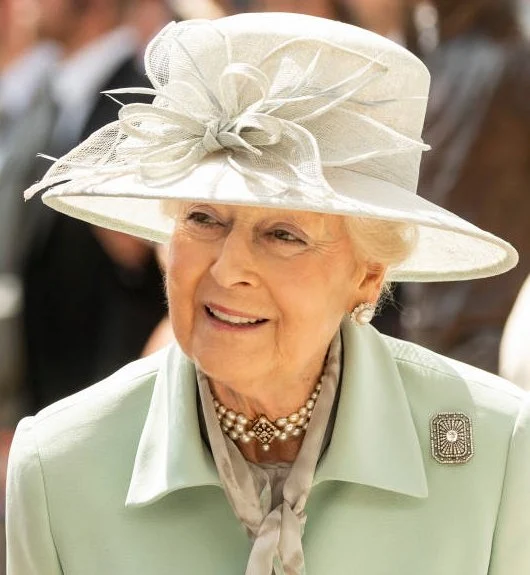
(112, 407)
(452, 382)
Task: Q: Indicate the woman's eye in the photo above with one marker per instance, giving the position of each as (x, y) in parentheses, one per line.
(286, 236)
(202, 219)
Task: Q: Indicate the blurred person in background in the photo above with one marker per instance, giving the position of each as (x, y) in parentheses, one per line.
(323, 8)
(333, 9)
(148, 17)
(17, 30)
(25, 63)
(385, 17)
(524, 15)
(190, 9)
(80, 326)
(514, 359)
(478, 124)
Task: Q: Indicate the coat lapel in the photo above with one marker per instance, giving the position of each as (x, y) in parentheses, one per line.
(374, 439)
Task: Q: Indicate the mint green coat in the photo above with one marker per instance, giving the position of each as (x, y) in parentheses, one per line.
(115, 480)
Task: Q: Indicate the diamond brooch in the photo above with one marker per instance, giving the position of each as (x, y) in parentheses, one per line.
(451, 438)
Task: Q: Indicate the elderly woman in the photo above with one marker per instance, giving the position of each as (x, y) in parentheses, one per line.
(282, 434)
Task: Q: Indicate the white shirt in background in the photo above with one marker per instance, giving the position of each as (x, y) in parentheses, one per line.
(19, 84)
(78, 79)
(514, 362)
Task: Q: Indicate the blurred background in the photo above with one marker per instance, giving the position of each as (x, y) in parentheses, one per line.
(77, 302)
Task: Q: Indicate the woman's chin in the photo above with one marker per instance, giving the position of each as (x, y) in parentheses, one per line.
(231, 369)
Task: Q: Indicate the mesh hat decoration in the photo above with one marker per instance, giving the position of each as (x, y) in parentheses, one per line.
(273, 110)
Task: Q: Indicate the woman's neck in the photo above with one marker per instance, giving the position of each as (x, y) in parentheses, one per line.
(274, 402)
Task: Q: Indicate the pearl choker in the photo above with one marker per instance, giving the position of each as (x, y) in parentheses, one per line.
(240, 428)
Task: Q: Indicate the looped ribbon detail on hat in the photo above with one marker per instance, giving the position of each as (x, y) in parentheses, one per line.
(280, 119)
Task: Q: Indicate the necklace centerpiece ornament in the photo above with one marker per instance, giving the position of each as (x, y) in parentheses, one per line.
(240, 428)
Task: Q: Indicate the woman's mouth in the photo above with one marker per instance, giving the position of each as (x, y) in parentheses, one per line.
(231, 318)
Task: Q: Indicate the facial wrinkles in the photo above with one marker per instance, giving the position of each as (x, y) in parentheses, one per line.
(325, 237)
(328, 240)
(316, 260)
(318, 227)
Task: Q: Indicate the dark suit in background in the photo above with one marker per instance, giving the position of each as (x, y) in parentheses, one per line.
(85, 315)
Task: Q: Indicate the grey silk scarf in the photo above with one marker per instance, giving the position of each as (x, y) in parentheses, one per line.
(276, 532)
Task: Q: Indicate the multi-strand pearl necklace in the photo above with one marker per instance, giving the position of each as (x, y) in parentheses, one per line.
(240, 428)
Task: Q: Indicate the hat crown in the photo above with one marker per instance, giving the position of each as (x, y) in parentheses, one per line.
(316, 93)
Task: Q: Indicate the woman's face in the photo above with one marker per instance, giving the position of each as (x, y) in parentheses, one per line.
(258, 293)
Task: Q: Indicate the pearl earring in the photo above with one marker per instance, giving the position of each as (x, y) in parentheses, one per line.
(362, 314)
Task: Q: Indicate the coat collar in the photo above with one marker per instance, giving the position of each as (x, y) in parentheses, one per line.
(171, 454)
(374, 440)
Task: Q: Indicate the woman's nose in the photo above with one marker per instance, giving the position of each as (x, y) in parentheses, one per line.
(236, 262)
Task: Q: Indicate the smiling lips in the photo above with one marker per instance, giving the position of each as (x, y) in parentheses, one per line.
(231, 319)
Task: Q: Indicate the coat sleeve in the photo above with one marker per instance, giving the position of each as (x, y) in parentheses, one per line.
(511, 544)
(30, 546)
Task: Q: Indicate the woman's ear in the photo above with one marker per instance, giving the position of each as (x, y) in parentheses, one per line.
(369, 285)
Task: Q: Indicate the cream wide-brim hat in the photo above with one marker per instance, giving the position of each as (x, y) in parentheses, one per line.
(273, 110)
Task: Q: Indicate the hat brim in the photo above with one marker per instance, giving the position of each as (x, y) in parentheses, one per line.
(448, 248)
